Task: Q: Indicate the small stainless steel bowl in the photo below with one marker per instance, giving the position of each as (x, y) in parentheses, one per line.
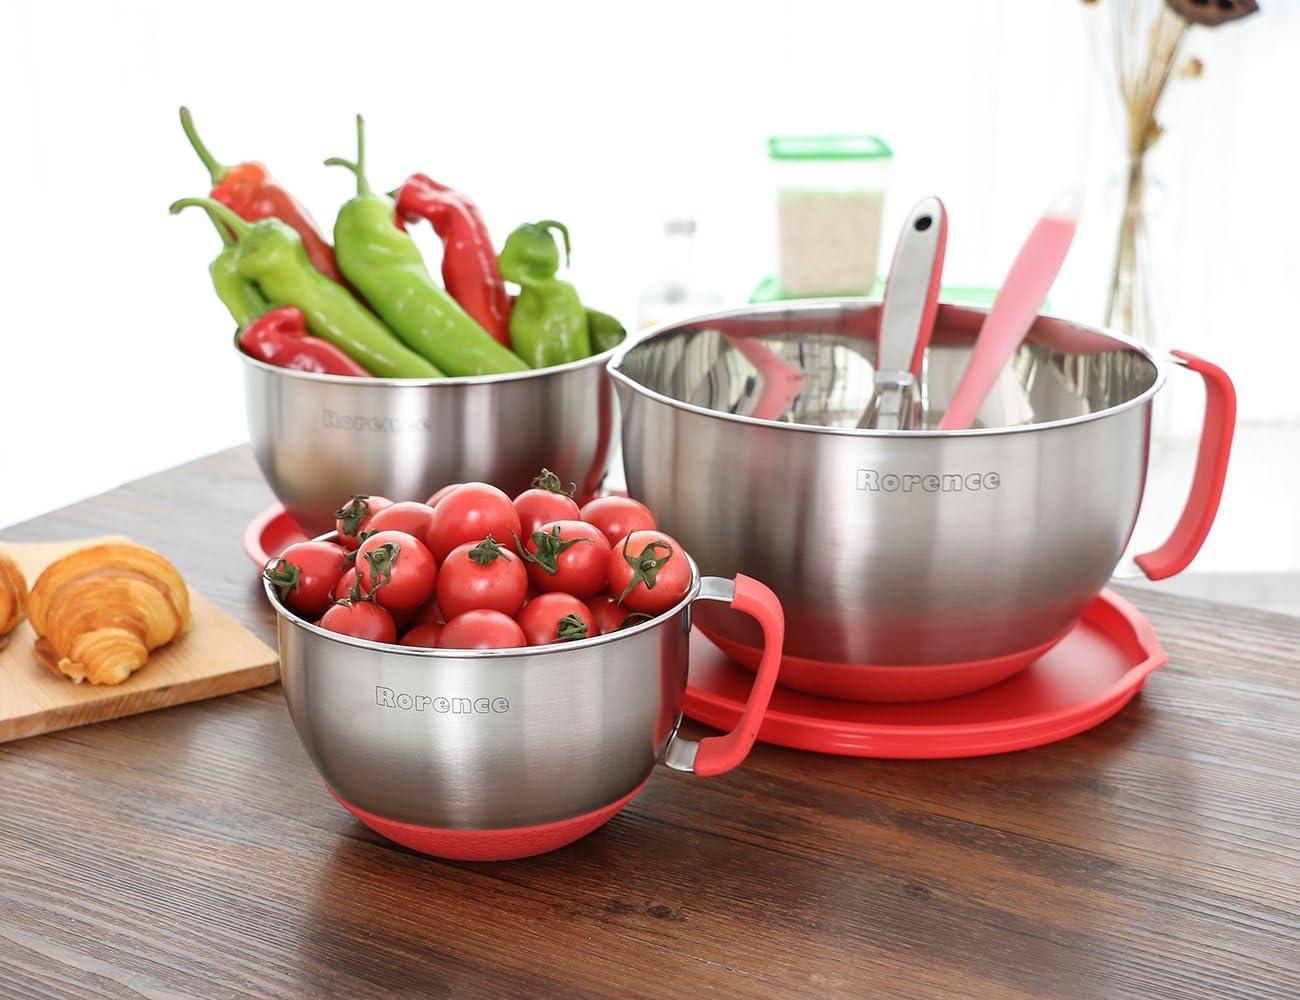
(464, 754)
(899, 548)
(320, 438)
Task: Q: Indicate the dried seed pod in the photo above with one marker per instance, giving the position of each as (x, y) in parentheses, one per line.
(99, 611)
(1212, 12)
(13, 597)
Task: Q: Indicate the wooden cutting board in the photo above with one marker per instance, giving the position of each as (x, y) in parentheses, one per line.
(217, 656)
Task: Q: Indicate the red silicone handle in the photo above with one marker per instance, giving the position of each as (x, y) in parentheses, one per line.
(1207, 483)
(718, 754)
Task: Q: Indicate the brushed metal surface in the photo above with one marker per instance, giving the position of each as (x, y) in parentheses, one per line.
(321, 438)
(495, 739)
(890, 547)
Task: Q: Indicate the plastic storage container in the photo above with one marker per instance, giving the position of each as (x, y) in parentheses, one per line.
(830, 195)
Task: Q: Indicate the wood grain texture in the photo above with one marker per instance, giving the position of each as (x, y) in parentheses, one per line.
(217, 656)
(194, 851)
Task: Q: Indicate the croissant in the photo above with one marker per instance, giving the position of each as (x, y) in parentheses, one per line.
(99, 611)
(13, 597)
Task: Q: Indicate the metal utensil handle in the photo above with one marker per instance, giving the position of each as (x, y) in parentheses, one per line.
(1194, 523)
(719, 754)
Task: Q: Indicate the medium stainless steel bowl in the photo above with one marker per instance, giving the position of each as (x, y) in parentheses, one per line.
(895, 548)
(321, 438)
(454, 742)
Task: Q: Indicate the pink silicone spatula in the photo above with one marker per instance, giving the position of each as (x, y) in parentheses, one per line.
(1015, 308)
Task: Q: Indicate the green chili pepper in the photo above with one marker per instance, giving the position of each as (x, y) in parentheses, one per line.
(605, 331)
(384, 264)
(240, 295)
(548, 325)
(270, 253)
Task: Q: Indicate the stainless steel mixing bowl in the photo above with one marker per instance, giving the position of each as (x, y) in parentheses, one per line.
(452, 741)
(321, 438)
(909, 548)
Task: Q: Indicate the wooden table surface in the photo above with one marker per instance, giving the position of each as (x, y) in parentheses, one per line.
(194, 851)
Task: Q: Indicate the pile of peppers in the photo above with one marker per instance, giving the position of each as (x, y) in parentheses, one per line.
(367, 305)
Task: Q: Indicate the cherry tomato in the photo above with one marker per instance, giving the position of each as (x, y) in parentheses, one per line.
(396, 569)
(305, 575)
(424, 636)
(433, 500)
(550, 618)
(618, 517)
(546, 501)
(470, 513)
(409, 516)
(485, 576)
(352, 516)
(570, 557)
(481, 630)
(649, 572)
(611, 616)
(343, 589)
(363, 619)
(429, 614)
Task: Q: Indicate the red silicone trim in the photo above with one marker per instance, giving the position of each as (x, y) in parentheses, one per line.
(270, 533)
(489, 845)
(1207, 483)
(719, 754)
(878, 682)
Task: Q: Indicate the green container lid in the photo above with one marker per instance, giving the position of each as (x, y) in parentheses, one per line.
(828, 147)
(769, 290)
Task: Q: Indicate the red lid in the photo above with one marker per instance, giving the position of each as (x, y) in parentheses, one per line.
(1086, 678)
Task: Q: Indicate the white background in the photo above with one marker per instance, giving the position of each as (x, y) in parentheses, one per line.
(116, 355)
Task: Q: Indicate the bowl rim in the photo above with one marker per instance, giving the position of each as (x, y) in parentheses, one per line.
(289, 617)
(447, 380)
(633, 341)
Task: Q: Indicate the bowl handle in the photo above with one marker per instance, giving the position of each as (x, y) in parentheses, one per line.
(1193, 525)
(718, 754)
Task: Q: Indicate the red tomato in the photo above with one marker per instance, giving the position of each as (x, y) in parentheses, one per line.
(409, 516)
(470, 513)
(424, 636)
(433, 500)
(618, 517)
(305, 575)
(362, 619)
(569, 557)
(343, 589)
(611, 616)
(546, 501)
(481, 630)
(481, 577)
(648, 572)
(429, 614)
(396, 569)
(352, 516)
(550, 618)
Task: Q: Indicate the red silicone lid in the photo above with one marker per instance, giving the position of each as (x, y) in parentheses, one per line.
(1086, 678)
(270, 533)
(489, 845)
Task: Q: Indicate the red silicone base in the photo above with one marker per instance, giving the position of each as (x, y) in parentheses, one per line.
(489, 845)
(270, 533)
(863, 682)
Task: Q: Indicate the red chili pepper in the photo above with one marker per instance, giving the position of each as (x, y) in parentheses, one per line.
(469, 265)
(251, 193)
(280, 338)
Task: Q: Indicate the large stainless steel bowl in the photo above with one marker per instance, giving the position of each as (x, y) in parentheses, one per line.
(447, 750)
(321, 438)
(892, 548)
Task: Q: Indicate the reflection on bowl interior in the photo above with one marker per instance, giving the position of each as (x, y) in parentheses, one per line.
(815, 367)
